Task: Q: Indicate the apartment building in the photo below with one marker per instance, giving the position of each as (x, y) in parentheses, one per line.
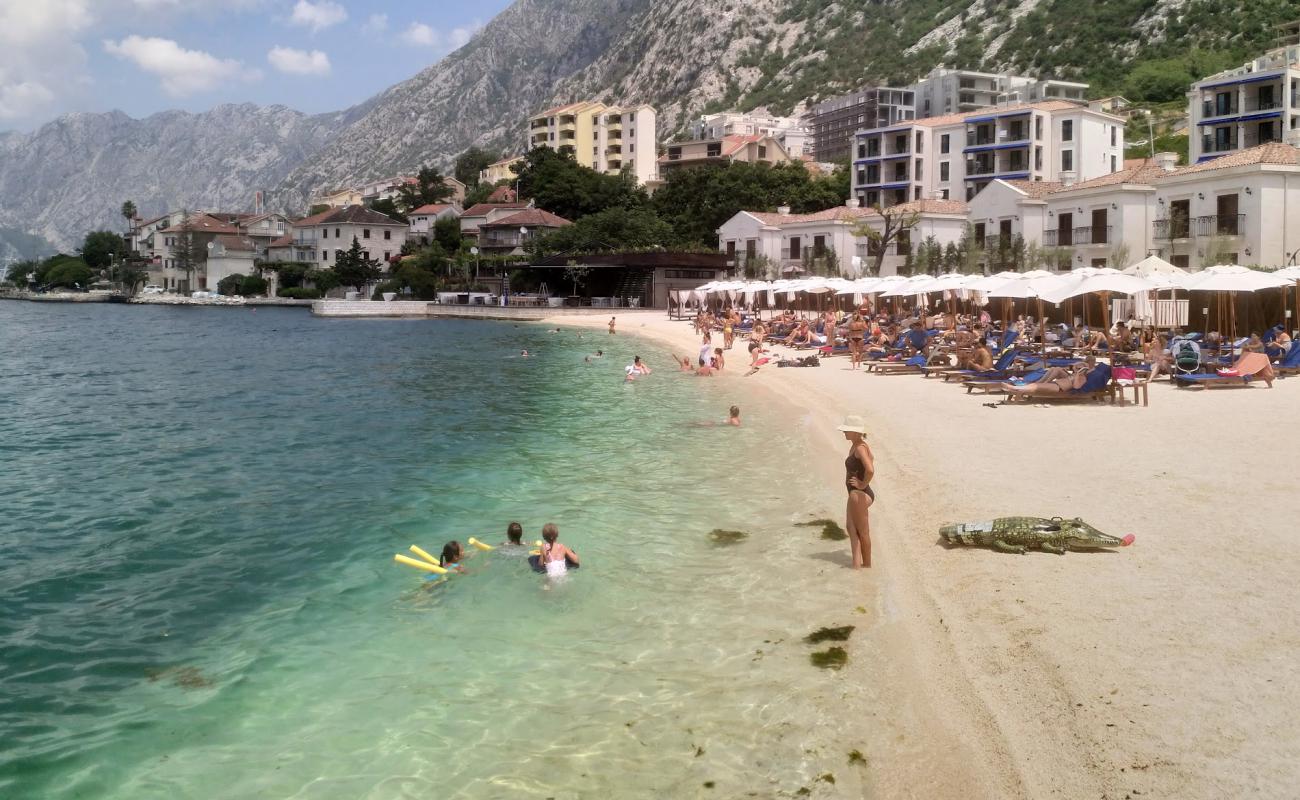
(322, 237)
(512, 234)
(482, 214)
(500, 170)
(754, 149)
(422, 220)
(1254, 104)
(1233, 209)
(952, 157)
(787, 242)
(834, 121)
(604, 138)
(791, 132)
(955, 91)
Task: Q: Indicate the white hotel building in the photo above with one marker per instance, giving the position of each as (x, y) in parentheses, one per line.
(1250, 105)
(953, 157)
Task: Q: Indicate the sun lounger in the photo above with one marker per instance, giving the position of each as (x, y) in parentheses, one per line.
(987, 386)
(1248, 366)
(1001, 370)
(1095, 387)
(1290, 363)
(911, 366)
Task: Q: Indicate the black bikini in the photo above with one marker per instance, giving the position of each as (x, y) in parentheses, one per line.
(854, 468)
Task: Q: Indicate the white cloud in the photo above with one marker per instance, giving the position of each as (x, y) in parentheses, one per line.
(375, 25)
(299, 62)
(39, 54)
(317, 16)
(181, 71)
(421, 35)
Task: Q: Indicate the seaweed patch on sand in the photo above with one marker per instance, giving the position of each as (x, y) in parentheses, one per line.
(830, 529)
(722, 538)
(820, 635)
(830, 658)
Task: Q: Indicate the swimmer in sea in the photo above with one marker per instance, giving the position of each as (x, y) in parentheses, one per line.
(734, 419)
(452, 555)
(600, 354)
(514, 535)
(629, 373)
(640, 365)
(523, 354)
(555, 558)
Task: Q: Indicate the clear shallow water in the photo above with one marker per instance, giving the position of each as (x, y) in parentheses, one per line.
(198, 599)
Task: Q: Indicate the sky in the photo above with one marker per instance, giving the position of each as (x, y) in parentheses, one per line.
(146, 56)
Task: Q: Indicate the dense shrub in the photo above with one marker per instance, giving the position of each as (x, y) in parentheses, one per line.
(253, 286)
(300, 293)
(230, 285)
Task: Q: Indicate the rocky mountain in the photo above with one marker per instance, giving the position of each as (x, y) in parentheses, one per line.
(683, 56)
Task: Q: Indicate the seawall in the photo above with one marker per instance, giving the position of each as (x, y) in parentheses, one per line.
(420, 309)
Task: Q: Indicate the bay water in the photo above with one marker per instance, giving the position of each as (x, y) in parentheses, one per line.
(198, 514)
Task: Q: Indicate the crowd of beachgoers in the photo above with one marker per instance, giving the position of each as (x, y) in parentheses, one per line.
(1020, 357)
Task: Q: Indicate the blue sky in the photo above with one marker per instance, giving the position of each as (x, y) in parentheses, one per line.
(145, 56)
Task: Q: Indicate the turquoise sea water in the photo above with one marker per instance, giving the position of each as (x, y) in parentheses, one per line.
(198, 512)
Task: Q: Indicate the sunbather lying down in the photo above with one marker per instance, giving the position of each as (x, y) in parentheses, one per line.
(1056, 380)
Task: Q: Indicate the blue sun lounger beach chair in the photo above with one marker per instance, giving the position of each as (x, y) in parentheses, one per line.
(911, 366)
(1290, 363)
(986, 386)
(1001, 370)
(1095, 386)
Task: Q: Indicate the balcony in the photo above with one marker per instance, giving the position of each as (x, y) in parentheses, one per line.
(614, 148)
(1227, 145)
(538, 124)
(1095, 234)
(1220, 225)
(1058, 237)
(1166, 229)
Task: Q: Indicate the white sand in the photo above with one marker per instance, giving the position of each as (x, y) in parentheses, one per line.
(1167, 669)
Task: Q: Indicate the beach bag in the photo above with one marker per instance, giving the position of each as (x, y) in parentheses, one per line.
(1187, 357)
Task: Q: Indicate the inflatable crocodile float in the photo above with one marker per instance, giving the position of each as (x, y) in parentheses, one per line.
(1019, 534)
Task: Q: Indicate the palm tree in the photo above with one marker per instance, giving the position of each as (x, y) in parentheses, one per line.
(129, 212)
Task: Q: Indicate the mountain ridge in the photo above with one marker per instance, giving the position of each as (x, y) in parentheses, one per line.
(684, 57)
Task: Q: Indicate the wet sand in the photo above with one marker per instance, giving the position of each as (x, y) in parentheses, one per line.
(1168, 669)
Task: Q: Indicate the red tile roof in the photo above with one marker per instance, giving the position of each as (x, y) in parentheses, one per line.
(482, 209)
(1144, 174)
(283, 241)
(432, 208)
(356, 215)
(204, 223)
(1270, 153)
(236, 243)
(534, 217)
(1034, 189)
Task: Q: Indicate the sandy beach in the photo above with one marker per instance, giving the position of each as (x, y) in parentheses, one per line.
(1167, 669)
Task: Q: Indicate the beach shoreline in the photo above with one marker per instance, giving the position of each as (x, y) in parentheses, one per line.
(1081, 675)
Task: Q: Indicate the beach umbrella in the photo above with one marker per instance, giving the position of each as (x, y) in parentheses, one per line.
(1152, 266)
(1230, 279)
(909, 286)
(1291, 274)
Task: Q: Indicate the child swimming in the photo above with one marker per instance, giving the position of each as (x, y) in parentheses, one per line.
(452, 555)
(514, 535)
(555, 558)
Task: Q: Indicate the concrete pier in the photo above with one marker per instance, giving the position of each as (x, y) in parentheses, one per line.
(420, 309)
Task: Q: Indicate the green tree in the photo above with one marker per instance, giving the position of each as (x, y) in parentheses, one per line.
(128, 274)
(324, 280)
(354, 269)
(894, 223)
(446, 232)
(65, 271)
(429, 187)
(230, 285)
(318, 208)
(187, 253)
(470, 163)
(560, 185)
(615, 229)
(253, 286)
(21, 273)
(388, 207)
(100, 248)
(696, 201)
(129, 213)
(481, 193)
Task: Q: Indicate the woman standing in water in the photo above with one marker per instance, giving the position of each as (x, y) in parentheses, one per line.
(859, 469)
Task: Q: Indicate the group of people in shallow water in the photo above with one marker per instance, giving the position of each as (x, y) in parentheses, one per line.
(552, 557)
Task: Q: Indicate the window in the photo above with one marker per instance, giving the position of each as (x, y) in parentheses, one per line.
(1067, 160)
(862, 150)
(944, 143)
(1223, 104)
(388, 234)
(819, 246)
(1113, 162)
(862, 176)
(920, 170)
(1064, 229)
(325, 233)
(916, 193)
(365, 254)
(900, 143)
(751, 249)
(324, 255)
(1226, 211)
(731, 250)
(794, 247)
(1114, 132)
(336, 234)
(943, 170)
(979, 234)
(943, 194)
(1099, 226)
(1038, 129)
(762, 151)
(904, 243)
(387, 255)
(1038, 157)
(920, 144)
(1067, 130)
(365, 233)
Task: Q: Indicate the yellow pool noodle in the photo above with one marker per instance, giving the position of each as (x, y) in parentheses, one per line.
(480, 545)
(411, 562)
(425, 556)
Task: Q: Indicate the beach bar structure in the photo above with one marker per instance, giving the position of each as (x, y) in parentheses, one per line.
(630, 279)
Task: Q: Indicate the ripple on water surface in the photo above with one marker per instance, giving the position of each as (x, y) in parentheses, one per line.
(198, 600)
